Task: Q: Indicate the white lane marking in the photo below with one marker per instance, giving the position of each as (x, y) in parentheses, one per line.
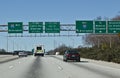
(60, 68)
(10, 67)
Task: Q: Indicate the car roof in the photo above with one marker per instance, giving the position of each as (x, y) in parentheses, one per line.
(72, 51)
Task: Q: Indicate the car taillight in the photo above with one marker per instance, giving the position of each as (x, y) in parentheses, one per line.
(77, 55)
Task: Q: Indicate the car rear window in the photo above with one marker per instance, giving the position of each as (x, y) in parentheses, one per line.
(73, 52)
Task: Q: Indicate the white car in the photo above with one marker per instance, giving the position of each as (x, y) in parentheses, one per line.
(22, 54)
(57, 53)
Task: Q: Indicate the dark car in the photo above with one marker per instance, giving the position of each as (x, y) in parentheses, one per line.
(71, 55)
(16, 52)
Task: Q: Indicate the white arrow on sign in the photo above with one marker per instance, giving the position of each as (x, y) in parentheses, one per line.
(114, 31)
(100, 31)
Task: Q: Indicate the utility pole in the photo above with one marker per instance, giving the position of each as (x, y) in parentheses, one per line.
(73, 42)
(98, 43)
(110, 42)
(13, 45)
(54, 45)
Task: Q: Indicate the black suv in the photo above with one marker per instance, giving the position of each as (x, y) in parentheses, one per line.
(71, 55)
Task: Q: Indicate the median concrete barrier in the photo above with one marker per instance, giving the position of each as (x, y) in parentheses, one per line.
(7, 58)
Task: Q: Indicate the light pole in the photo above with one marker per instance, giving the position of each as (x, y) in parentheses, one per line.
(7, 43)
(73, 42)
(13, 45)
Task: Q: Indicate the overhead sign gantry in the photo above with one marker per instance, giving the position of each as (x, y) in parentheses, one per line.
(48, 28)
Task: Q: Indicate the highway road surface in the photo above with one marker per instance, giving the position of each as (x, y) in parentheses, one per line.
(54, 67)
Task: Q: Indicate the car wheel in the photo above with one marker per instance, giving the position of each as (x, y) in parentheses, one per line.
(65, 60)
(78, 60)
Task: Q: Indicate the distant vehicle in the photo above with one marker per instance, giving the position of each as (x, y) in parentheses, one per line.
(39, 50)
(57, 53)
(46, 53)
(16, 52)
(71, 55)
(22, 54)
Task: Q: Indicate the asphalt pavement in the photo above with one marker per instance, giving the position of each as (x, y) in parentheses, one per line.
(55, 67)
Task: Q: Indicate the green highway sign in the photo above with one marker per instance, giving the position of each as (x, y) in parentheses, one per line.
(100, 27)
(113, 27)
(84, 26)
(15, 27)
(52, 27)
(35, 27)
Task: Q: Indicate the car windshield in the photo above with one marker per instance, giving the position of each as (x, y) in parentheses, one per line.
(72, 51)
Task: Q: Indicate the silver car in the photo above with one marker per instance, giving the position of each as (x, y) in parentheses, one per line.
(22, 54)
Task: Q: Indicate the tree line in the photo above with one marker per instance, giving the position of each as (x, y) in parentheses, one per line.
(101, 47)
